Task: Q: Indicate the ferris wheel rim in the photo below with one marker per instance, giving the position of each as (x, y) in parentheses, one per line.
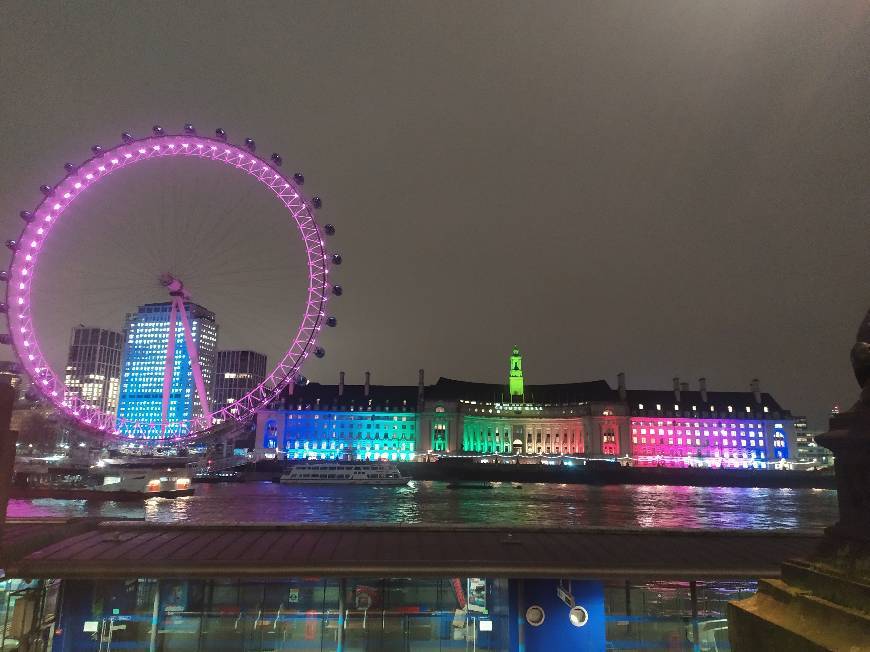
(21, 273)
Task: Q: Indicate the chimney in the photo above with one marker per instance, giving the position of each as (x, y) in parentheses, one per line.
(702, 385)
(341, 383)
(620, 385)
(368, 384)
(677, 389)
(755, 388)
(420, 389)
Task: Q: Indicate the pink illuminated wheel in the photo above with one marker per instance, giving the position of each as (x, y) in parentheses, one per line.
(23, 331)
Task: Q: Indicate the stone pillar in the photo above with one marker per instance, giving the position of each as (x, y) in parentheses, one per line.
(823, 603)
(7, 448)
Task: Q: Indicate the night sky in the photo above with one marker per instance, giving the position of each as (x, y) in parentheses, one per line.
(661, 188)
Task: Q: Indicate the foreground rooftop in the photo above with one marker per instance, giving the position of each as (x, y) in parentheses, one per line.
(125, 549)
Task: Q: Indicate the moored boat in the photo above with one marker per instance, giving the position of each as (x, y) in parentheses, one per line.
(338, 472)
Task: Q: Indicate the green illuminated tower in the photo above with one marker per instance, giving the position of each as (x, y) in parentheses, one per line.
(516, 375)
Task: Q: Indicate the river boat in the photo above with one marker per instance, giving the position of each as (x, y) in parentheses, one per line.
(344, 472)
(147, 481)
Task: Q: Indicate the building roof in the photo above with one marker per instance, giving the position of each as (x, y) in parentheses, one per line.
(139, 549)
(720, 400)
(378, 394)
(19, 537)
(450, 389)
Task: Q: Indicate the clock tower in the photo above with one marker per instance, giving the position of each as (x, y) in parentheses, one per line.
(516, 375)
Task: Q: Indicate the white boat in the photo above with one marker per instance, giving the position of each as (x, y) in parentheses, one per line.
(375, 473)
(148, 479)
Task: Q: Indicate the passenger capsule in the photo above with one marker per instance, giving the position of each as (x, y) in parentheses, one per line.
(329, 229)
(276, 159)
(158, 130)
(299, 178)
(97, 150)
(189, 129)
(220, 133)
(337, 290)
(319, 352)
(336, 259)
(27, 216)
(127, 137)
(316, 201)
(46, 190)
(332, 322)
(250, 144)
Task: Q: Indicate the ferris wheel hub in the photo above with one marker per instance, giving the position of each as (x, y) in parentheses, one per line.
(174, 285)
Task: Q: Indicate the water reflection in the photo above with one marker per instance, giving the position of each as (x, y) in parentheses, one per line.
(505, 504)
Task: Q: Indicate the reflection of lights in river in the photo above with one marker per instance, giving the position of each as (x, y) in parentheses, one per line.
(430, 502)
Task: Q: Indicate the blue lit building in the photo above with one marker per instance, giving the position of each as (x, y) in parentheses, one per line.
(144, 362)
(372, 422)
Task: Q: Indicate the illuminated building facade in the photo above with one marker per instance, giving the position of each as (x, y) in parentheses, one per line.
(10, 373)
(236, 374)
(325, 421)
(93, 368)
(709, 429)
(809, 453)
(144, 363)
(676, 427)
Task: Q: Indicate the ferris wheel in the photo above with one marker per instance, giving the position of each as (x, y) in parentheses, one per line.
(39, 223)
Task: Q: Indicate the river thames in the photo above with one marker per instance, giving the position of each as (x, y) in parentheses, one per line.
(428, 502)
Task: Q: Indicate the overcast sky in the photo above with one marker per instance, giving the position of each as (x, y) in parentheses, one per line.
(661, 188)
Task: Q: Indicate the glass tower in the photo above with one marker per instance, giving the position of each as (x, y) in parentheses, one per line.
(93, 368)
(147, 333)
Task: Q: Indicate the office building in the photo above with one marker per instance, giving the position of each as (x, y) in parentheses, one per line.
(93, 368)
(144, 366)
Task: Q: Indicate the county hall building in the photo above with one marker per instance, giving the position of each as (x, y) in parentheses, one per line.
(675, 427)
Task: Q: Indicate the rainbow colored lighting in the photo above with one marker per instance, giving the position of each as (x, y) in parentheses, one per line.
(92, 171)
(728, 443)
